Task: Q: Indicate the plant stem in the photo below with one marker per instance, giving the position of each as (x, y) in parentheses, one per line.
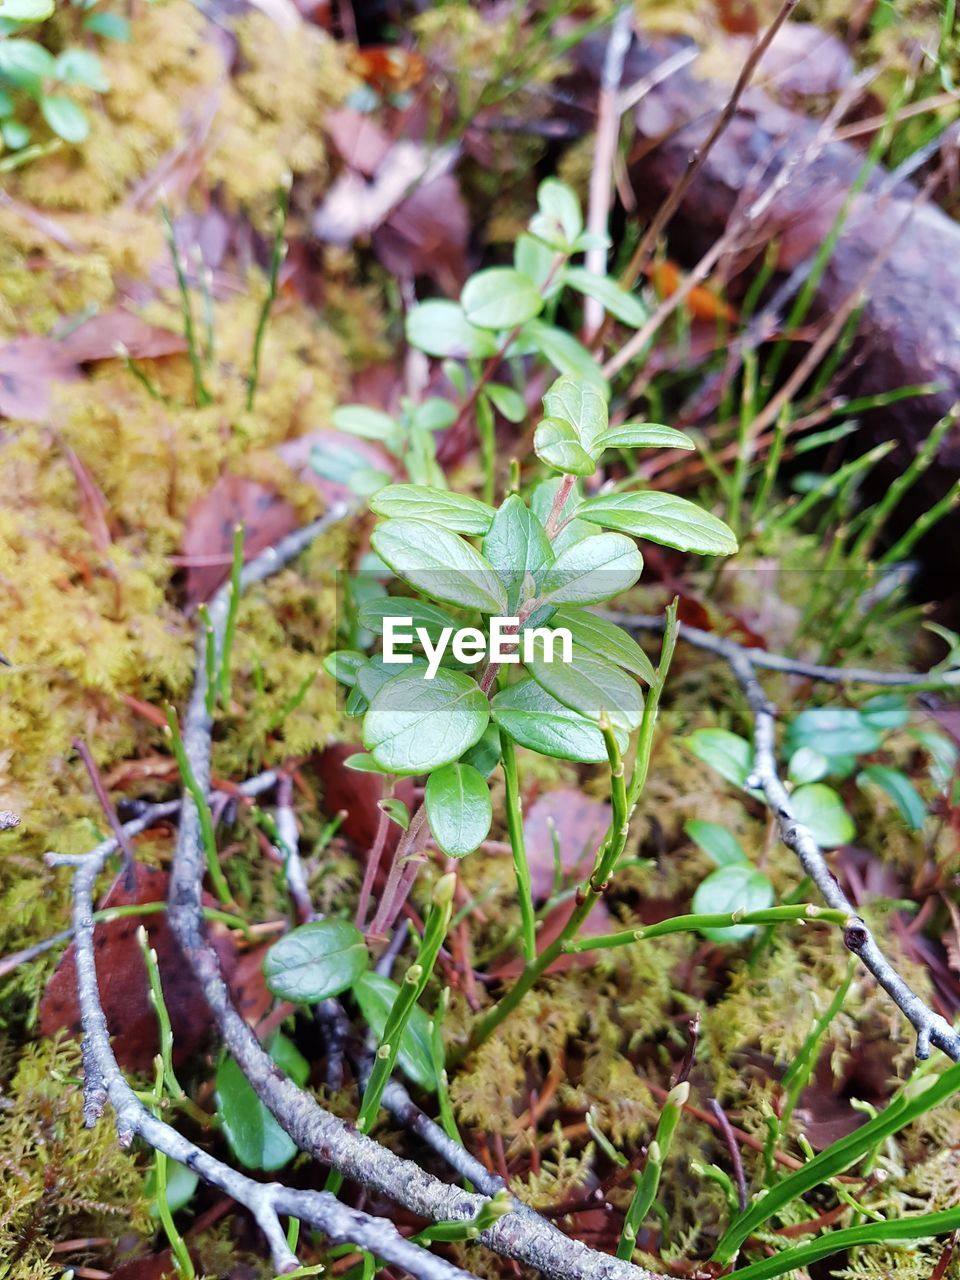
(201, 394)
(276, 261)
(236, 569)
(521, 864)
(708, 920)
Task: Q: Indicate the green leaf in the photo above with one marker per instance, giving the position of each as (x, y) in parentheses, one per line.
(589, 684)
(557, 444)
(440, 328)
(65, 118)
(15, 134)
(900, 790)
(500, 298)
(820, 809)
(109, 25)
(454, 511)
(534, 259)
(592, 570)
(484, 755)
(729, 754)
(337, 462)
(517, 547)
(536, 720)
(369, 424)
(317, 960)
(440, 564)
(433, 414)
(833, 731)
(343, 665)
(372, 613)
(362, 762)
(181, 1184)
(606, 638)
(375, 994)
(807, 765)
(25, 63)
(624, 306)
(459, 808)
(368, 480)
(26, 10)
(564, 352)
(885, 711)
(415, 725)
(561, 219)
(376, 671)
(582, 405)
(663, 518)
(7, 106)
(80, 66)
(644, 435)
(716, 842)
(396, 811)
(736, 887)
(507, 401)
(255, 1137)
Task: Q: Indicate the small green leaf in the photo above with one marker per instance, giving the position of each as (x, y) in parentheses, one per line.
(807, 765)
(454, 511)
(716, 842)
(343, 665)
(606, 638)
(255, 1137)
(534, 259)
(376, 671)
(369, 424)
(372, 613)
(564, 352)
(900, 790)
(181, 1184)
(582, 405)
(557, 444)
(536, 720)
(440, 328)
(80, 66)
(663, 518)
(15, 134)
(65, 118)
(337, 462)
(433, 414)
(26, 10)
(833, 731)
(415, 725)
(376, 994)
(7, 106)
(459, 808)
(644, 435)
(396, 811)
(507, 401)
(440, 564)
(885, 711)
(561, 219)
(318, 960)
(517, 547)
(729, 754)
(590, 685)
(620, 304)
(820, 809)
(500, 298)
(593, 570)
(109, 25)
(363, 762)
(484, 756)
(736, 887)
(25, 63)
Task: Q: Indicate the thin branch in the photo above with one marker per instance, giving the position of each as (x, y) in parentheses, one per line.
(104, 1081)
(736, 1160)
(106, 804)
(931, 1028)
(521, 1234)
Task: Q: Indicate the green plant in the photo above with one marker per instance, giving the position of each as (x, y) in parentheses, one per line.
(34, 78)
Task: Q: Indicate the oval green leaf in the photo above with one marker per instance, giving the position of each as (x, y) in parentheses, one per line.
(459, 808)
(367, 423)
(589, 684)
(620, 304)
(716, 842)
(376, 994)
(454, 511)
(500, 298)
(821, 810)
(564, 352)
(65, 118)
(738, 887)
(582, 404)
(592, 570)
(900, 790)
(728, 753)
(536, 720)
(440, 328)
(518, 548)
(556, 443)
(440, 564)
(663, 518)
(317, 960)
(415, 725)
(599, 635)
(644, 435)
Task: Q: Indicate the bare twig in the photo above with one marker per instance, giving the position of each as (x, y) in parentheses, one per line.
(604, 154)
(736, 1160)
(106, 804)
(521, 1234)
(104, 1081)
(930, 1027)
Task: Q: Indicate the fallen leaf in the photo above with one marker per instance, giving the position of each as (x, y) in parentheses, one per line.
(155, 1266)
(296, 454)
(427, 235)
(579, 823)
(28, 368)
(98, 338)
(122, 976)
(359, 140)
(357, 794)
(208, 533)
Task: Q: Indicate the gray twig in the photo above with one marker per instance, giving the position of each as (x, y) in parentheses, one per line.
(522, 1234)
(104, 1081)
(931, 1027)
